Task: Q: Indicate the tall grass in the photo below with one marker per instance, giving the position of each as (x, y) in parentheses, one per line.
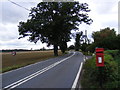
(21, 59)
(110, 76)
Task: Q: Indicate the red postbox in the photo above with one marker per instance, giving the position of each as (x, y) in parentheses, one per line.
(100, 57)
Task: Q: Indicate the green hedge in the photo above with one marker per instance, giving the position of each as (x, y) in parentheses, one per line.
(109, 72)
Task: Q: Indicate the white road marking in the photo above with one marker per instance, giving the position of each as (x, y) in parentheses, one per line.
(21, 81)
(84, 60)
(25, 66)
(77, 77)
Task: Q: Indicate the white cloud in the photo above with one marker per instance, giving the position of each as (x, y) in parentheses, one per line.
(8, 32)
(22, 44)
(103, 12)
(12, 13)
(11, 16)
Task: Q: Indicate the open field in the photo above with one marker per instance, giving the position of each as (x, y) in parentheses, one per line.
(10, 62)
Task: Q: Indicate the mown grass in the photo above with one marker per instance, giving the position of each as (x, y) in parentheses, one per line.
(110, 74)
(21, 59)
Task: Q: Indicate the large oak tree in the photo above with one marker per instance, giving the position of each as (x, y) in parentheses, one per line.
(52, 22)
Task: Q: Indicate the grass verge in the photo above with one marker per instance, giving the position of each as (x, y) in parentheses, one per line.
(21, 59)
(87, 53)
(110, 72)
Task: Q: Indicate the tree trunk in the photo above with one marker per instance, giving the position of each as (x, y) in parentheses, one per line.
(55, 50)
(63, 46)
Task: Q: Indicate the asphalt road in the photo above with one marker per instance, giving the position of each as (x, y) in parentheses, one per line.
(59, 72)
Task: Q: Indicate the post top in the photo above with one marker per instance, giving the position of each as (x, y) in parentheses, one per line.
(99, 49)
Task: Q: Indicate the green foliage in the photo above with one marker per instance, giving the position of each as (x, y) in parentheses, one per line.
(111, 43)
(63, 46)
(102, 34)
(87, 53)
(112, 84)
(52, 22)
(83, 47)
(118, 61)
(11, 68)
(91, 47)
(71, 47)
(113, 53)
(77, 40)
(106, 38)
(109, 72)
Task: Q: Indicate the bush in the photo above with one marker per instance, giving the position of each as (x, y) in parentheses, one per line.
(91, 47)
(84, 46)
(109, 73)
(113, 53)
(87, 53)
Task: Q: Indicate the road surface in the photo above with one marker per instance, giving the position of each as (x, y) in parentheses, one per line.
(59, 72)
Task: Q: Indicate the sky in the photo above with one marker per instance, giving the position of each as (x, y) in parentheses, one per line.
(104, 13)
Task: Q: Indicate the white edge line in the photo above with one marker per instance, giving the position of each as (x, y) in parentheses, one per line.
(84, 60)
(19, 82)
(77, 77)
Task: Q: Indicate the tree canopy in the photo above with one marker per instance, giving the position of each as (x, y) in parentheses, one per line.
(102, 34)
(52, 22)
(105, 38)
(77, 40)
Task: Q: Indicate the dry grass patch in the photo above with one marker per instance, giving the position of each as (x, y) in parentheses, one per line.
(10, 62)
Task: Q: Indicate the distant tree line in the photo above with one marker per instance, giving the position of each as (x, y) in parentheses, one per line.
(22, 50)
(17, 50)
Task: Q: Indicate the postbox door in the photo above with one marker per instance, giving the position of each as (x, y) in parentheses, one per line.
(100, 61)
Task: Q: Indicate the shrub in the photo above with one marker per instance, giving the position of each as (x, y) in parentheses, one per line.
(91, 47)
(113, 53)
(108, 74)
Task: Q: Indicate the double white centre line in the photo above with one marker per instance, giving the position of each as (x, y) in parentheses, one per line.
(21, 81)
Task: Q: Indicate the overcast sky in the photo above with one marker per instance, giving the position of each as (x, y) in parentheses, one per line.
(103, 12)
